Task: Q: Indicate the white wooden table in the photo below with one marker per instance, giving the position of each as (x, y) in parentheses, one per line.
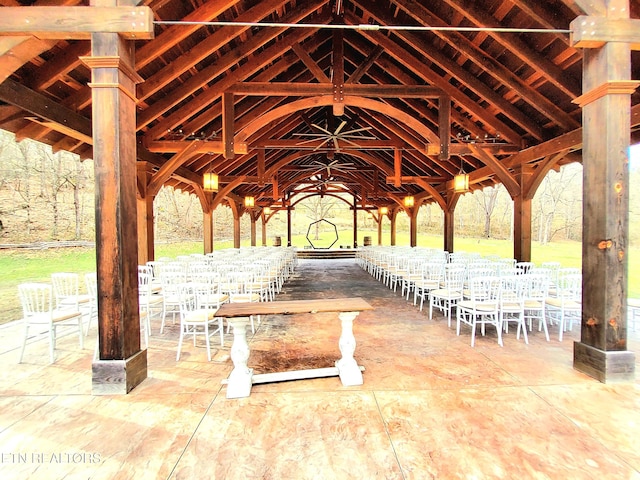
(237, 314)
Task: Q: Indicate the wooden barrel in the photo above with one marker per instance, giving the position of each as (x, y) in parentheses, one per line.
(277, 242)
(367, 241)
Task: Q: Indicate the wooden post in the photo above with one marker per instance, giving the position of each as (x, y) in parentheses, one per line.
(393, 213)
(606, 109)
(288, 226)
(146, 232)
(253, 217)
(146, 250)
(207, 222)
(264, 230)
(237, 213)
(121, 365)
(449, 220)
(522, 218)
(355, 222)
(413, 226)
(380, 229)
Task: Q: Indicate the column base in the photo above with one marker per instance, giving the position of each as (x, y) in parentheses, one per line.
(118, 377)
(605, 366)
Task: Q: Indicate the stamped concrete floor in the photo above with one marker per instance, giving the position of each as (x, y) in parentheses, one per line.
(430, 406)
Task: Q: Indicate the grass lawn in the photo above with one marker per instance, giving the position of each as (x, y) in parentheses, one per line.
(18, 266)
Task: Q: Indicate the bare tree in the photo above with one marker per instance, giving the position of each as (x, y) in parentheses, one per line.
(487, 199)
(559, 193)
(317, 208)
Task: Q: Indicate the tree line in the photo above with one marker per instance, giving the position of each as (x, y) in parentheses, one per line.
(47, 195)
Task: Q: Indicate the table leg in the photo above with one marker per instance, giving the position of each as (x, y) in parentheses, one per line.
(347, 366)
(239, 384)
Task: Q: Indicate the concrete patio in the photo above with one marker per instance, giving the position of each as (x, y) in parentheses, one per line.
(430, 406)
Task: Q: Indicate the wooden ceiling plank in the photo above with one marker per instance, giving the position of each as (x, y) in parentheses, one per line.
(241, 73)
(491, 66)
(278, 68)
(176, 33)
(206, 75)
(464, 77)
(204, 49)
(551, 71)
(393, 49)
(60, 65)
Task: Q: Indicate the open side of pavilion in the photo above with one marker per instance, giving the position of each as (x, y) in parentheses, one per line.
(138, 99)
(431, 406)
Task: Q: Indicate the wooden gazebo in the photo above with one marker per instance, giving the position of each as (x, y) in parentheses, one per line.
(381, 100)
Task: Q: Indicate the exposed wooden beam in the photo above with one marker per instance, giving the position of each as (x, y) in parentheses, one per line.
(594, 32)
(37, 104)
(174, 146)
(337, 75)
(313, 89)
(133, 23)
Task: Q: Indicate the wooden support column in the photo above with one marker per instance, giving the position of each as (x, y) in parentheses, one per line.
(393, 214)
(121, 365)
(288, 226)
(146, 233)
(380, 229)
(449, 220)
(606, 109)
(522, 217)
(237, 213)
(264, 230)
(355, 222)
(413, 226)
(207, 223)
(253, 216)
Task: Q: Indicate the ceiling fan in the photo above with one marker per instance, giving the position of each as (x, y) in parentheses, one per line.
(333, 139)
(318, 167)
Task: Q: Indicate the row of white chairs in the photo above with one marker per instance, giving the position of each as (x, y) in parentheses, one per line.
(550, 294)
(50, 308)
(178, 286)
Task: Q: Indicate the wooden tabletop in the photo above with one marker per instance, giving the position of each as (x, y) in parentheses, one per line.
(289, 307)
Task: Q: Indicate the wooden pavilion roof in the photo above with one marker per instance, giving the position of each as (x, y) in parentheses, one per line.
(381, 99)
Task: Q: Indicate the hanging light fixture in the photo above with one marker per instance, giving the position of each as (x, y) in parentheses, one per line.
(383, 210)
(409, 201)
(210, 182)
(210, 179)
(266, 210)
(461, 180)
(249, 202)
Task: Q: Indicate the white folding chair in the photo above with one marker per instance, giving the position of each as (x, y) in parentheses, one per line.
(37, 301)
(482, 307)
(566, 307)
(511, 304)
(198, 306)
(446, 298)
